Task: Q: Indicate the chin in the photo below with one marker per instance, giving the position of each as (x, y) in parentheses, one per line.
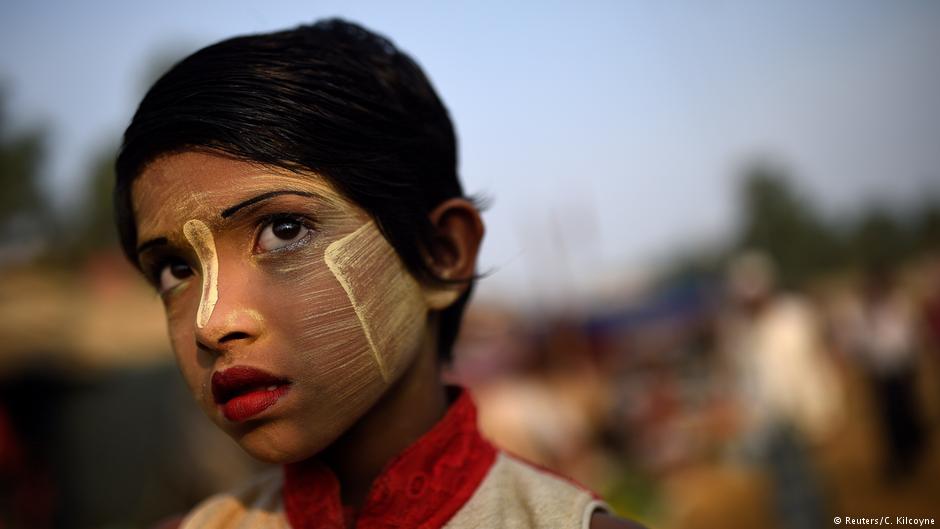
(280, 444)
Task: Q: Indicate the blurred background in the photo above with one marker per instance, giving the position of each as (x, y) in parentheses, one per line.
(713, 251)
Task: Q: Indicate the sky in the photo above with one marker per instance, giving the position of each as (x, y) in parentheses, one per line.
(606, 135)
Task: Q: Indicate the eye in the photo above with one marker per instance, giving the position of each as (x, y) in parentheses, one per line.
(172, 274)
(281, 232)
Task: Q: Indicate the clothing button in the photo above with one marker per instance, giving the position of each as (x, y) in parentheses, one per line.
(417, 485)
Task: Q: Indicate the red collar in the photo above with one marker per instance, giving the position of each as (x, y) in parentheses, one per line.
(422, 487)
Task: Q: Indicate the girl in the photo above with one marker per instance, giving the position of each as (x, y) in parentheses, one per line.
(294, 199)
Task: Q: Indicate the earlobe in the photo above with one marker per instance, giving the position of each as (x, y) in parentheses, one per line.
(458, 233)
(441, 297)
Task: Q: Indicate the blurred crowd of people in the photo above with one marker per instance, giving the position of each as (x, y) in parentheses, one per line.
(731, 399)
(709, 400)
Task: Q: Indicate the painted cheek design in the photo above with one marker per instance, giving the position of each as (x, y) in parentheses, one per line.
(386, 299)
(200, 237)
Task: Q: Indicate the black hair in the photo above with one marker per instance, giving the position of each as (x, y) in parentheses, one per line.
(333, 98)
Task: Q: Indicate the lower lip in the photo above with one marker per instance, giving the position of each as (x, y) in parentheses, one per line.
(248, 405)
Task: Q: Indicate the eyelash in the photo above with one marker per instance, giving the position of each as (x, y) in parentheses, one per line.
(154, 270)
(268, 220)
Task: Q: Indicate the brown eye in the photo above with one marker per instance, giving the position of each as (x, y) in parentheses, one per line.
(281, 232)
(172, 274)
(286, 230)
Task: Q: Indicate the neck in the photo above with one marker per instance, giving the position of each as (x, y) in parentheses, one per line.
(408, 409)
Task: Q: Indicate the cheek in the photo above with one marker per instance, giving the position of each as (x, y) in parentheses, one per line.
(314, 318)
(351, 318)
(180, 315)
(315, 315)
(191, 362)
(387, 301)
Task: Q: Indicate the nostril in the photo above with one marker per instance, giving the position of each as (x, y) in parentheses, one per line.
(238, 335)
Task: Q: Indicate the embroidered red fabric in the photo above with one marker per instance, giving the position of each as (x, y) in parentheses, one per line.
(423, 487)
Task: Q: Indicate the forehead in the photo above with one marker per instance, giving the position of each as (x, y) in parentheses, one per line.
(182, 186)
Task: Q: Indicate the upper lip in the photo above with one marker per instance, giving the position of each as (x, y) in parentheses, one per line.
(237, 380)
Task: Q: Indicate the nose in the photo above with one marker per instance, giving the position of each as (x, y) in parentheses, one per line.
(232, 325)
(233, 321)
(224, 318)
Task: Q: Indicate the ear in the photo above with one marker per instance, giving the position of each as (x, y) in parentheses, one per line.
(458, 231)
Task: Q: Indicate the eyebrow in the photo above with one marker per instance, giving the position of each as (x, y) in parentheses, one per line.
(228, 212)
(151, 243)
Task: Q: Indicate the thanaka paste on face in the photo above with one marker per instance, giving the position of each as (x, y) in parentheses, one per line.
(200, 237)
(339, 314)
(386, 298)
(391, 305)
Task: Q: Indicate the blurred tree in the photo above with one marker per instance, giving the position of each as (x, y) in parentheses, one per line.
(94, 224)
(94, 229)
(22, 210)
(927, 226)
(777, 220)
(879, 240)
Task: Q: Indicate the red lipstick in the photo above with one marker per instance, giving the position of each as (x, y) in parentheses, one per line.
(243, 392)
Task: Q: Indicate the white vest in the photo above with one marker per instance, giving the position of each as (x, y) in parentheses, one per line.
(513, 495)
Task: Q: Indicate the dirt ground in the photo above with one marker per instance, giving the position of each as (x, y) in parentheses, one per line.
(850, 466)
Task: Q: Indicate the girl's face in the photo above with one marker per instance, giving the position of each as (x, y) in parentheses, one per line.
(288, 312)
